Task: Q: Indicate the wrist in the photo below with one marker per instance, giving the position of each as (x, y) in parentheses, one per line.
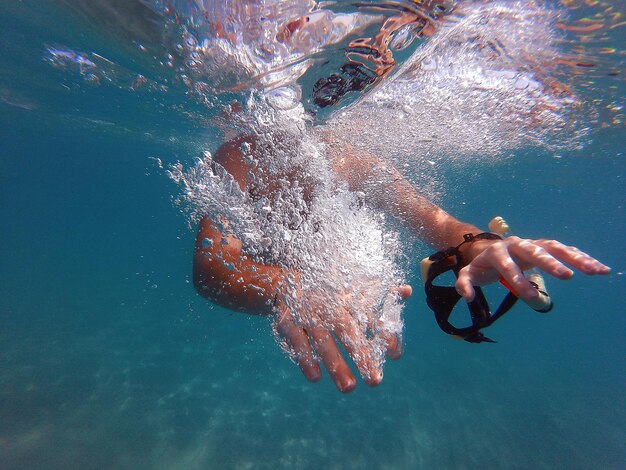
(472, 250)
(474, 244)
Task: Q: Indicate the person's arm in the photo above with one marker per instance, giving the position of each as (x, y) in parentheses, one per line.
(486, 260)
(386, 189)
(223, 274)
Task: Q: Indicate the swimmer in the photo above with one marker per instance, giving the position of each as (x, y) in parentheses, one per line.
(223, 273)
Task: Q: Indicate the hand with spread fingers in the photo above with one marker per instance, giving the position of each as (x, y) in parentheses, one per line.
(311, 325)
(313, 335)
(490, 260)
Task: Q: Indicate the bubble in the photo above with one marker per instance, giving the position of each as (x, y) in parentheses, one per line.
(521, 83)
(285, 98)
(429, 64)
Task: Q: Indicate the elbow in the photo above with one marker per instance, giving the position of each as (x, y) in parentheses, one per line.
(212, 282)
(202, 279)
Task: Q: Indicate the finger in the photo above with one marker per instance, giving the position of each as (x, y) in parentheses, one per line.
(298, 341)
(464, 285)
(393, 341)
(358, 347)
(496, 257)
(574, 257)
(394, 347)
(329, 353)
(530, 253)
(511, 272)
(404, 291)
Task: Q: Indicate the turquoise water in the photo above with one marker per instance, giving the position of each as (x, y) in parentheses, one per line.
(109, 359)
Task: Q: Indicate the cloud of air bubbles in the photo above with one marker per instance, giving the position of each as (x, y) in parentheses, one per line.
(345, 260)
(480, 88)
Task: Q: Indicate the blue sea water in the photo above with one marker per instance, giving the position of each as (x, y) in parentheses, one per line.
(109, 359)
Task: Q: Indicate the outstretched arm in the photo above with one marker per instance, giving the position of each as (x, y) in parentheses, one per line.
(386, 189)
(486, 260)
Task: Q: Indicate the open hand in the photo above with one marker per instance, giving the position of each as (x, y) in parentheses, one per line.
(309, 345)
(508, 258)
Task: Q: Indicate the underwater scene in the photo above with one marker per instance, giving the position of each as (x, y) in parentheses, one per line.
(214, 216)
